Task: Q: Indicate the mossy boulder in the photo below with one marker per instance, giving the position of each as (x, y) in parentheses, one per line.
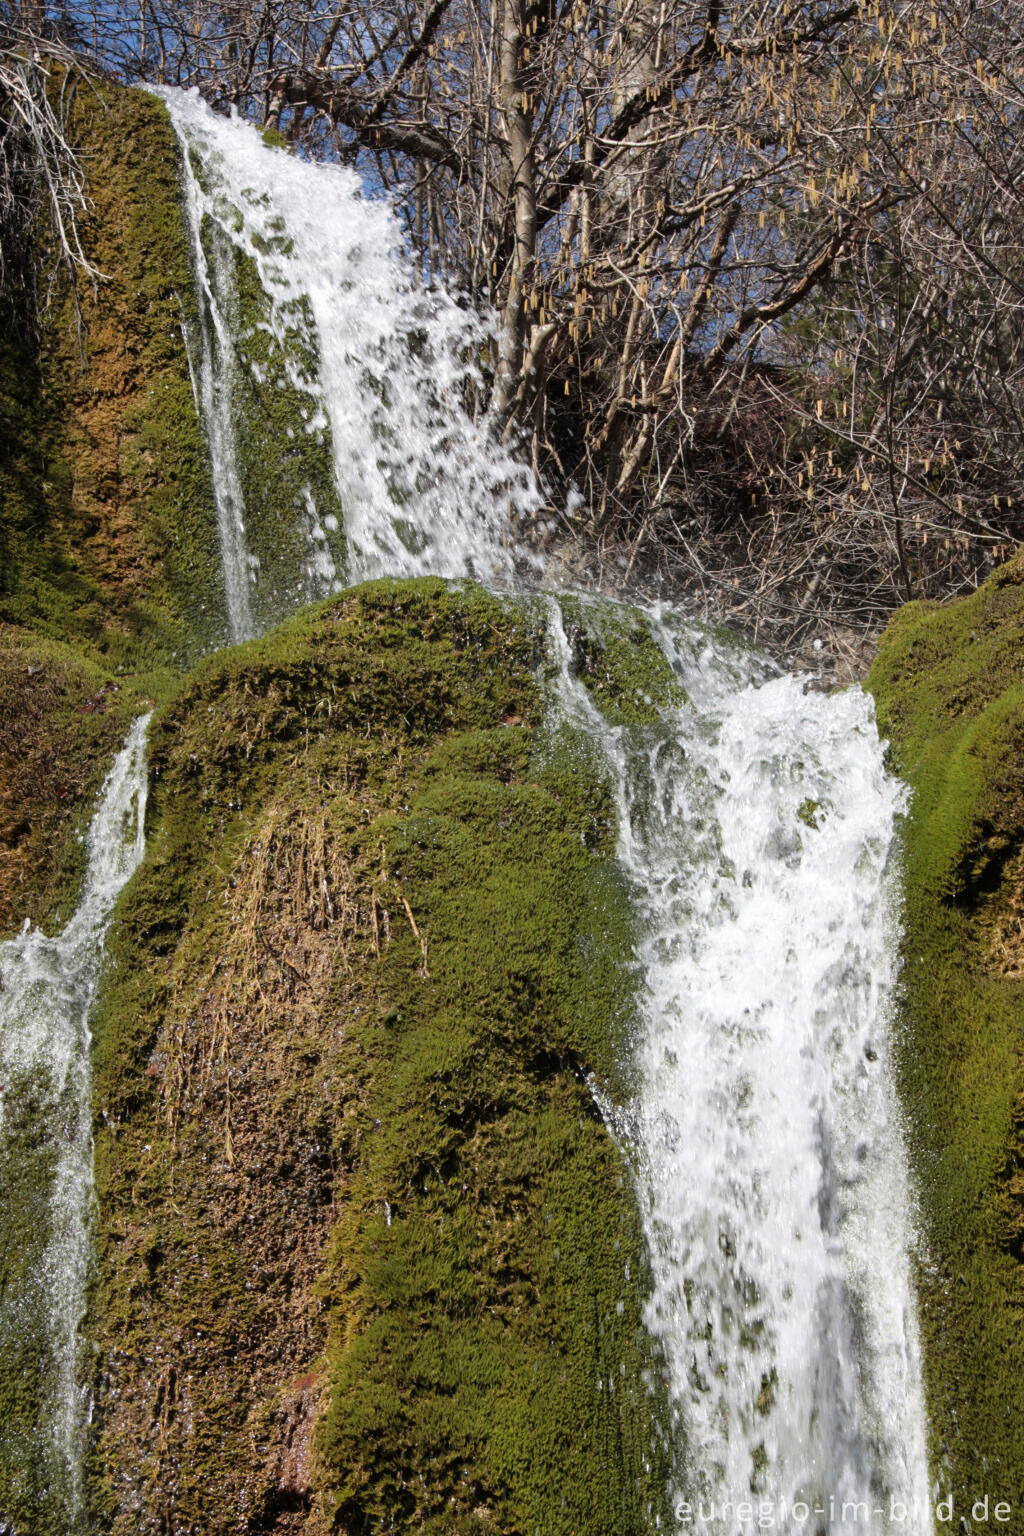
(367, 1257)
(949, 686)
(617, 659)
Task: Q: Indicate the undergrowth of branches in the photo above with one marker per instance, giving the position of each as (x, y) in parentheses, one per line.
(42, 181)
(755, 268)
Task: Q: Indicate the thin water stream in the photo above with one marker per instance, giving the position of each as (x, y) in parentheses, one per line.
(48, 988)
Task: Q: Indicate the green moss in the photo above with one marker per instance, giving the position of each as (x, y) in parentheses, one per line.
(283, 444)
(617, 659)
(948, 688)
(500, 1351)
(107, 524)
(31, 1478)
(349, 1163)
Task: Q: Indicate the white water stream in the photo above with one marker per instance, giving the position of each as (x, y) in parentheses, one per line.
(757, 823)
(48, 987)
(217, 364)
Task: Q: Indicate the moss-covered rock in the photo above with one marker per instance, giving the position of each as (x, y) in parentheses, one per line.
(367, 1257)
(949, 686)
(617, 659)
(107, 523)
(33, 1481)
(283, 446)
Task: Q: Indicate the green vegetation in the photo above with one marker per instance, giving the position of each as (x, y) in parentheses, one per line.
(618, 660)
(107, 527)
(283, 444)
(349, 1163)
(62, 719)
(950, 694)
(29, 1498)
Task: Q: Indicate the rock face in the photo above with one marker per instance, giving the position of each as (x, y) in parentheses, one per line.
(364, 1246)
(62, 718)
(108, 535)
(950, 694)
(109, 571)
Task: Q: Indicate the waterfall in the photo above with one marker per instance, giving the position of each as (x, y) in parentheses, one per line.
(756, 830)
(48, 987)
(756, 821)
(376, 366)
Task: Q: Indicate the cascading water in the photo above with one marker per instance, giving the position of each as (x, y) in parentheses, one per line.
(48, 987)
(381, 366)
(756, 827)
(215, 376)
(757, 823)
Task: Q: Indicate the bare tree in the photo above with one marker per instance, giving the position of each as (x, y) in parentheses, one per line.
(39, 169)
(755, 266)
(925, 383)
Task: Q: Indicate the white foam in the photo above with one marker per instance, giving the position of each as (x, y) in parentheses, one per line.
(425, 489)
